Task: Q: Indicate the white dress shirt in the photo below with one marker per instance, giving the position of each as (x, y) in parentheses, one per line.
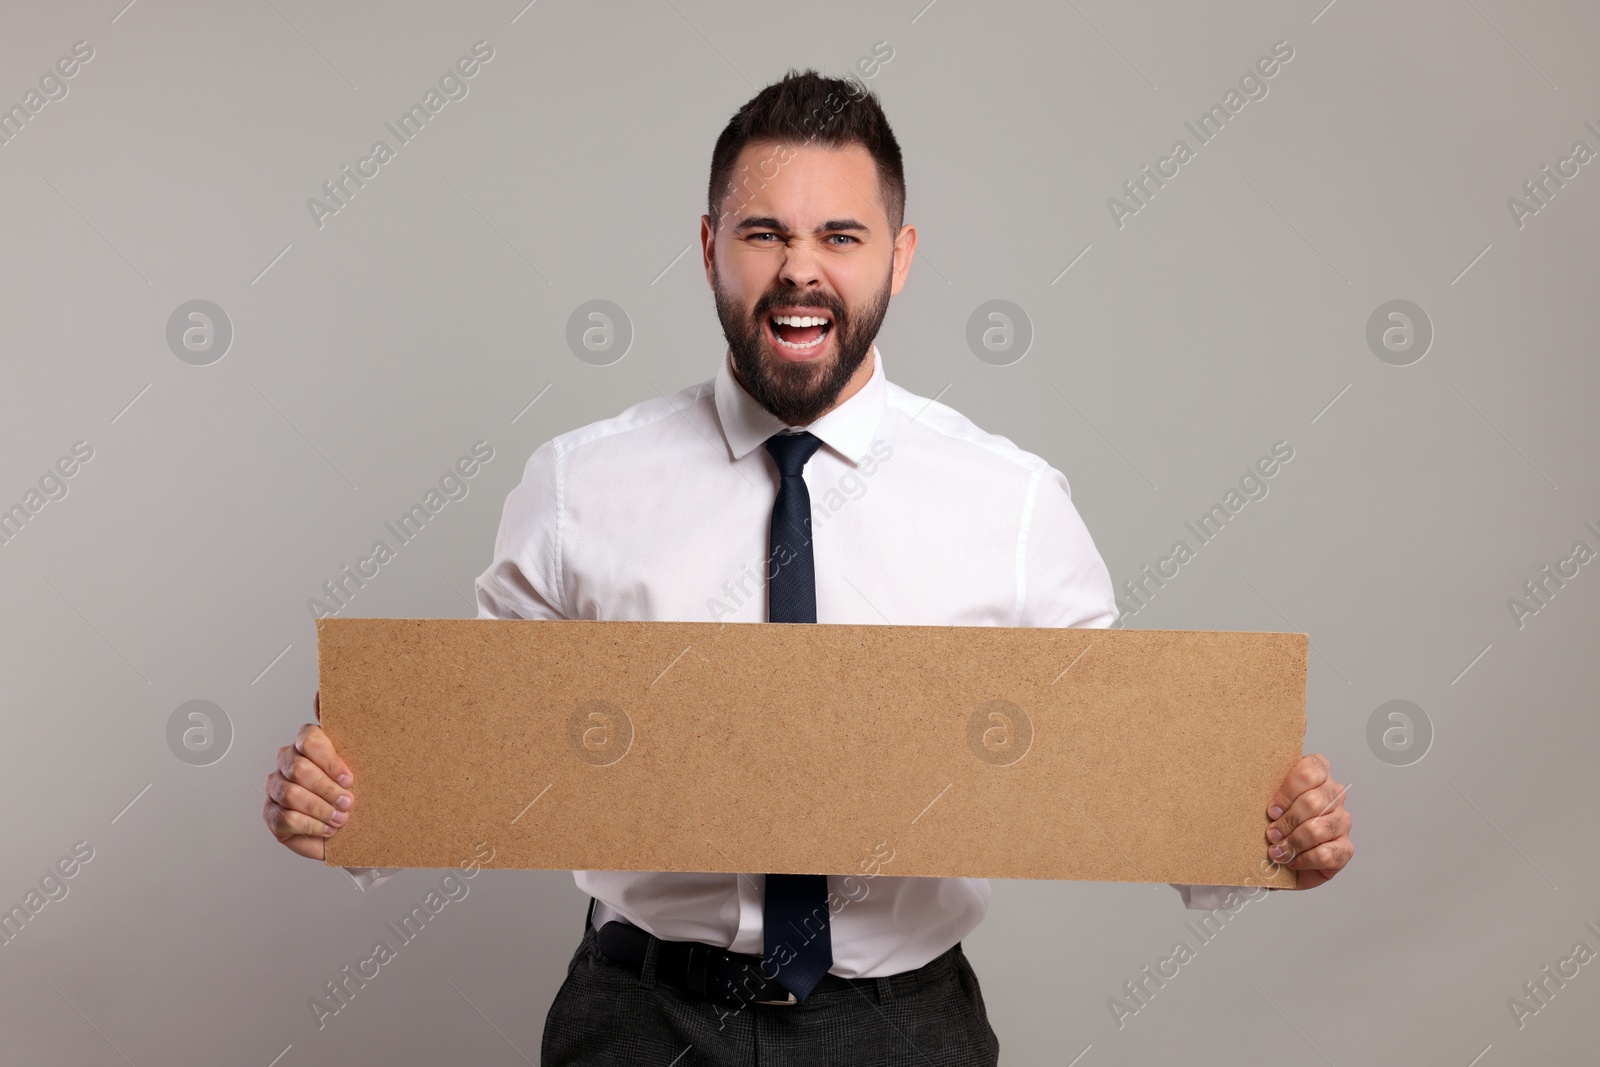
(919, 518)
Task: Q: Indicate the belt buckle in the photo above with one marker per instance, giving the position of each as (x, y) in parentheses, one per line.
(791, 1000)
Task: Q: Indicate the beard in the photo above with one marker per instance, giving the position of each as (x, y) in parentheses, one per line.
(798, 393)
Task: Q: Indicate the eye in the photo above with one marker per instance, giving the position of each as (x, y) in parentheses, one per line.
(843, 236)
(758, 236)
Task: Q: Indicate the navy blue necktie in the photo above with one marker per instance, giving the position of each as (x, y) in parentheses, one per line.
(795, 919)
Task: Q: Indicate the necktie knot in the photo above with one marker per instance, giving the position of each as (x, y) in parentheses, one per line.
(790, 451)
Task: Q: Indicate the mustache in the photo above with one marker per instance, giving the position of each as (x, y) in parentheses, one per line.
(765, 305)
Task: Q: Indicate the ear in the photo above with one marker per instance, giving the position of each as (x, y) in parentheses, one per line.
(905, 247)
(708, 245)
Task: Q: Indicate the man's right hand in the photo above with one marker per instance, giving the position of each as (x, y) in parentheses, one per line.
(308, 798)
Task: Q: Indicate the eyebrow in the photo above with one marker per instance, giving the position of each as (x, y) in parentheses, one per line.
(767, 222)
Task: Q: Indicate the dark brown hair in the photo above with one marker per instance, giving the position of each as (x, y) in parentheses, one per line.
(806, 108)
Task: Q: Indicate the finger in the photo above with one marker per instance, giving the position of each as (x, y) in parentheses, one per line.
(313, 848)
(1307, 773)
(1312, 804)
(310, 846)
(287, 794)
(1313, 832)
(285, 823)
(1307, 835)
(1328, 857)
(298, 769)
(313, 743)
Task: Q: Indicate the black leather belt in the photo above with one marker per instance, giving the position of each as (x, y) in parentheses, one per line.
(731, 977)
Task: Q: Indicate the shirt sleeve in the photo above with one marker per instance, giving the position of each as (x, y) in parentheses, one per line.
(1064, 582)
(523, 580)
(367, 878)
(1217, 897)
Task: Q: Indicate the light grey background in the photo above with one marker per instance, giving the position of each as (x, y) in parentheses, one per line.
(1228, 314)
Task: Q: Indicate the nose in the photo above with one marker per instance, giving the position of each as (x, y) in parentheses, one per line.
(800, 268)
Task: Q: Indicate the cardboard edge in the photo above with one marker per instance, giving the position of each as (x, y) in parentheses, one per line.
(327, 848)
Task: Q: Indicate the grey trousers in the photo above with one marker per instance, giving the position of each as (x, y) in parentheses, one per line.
(606, 1016)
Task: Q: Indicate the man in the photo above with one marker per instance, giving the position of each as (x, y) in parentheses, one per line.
(700, 506)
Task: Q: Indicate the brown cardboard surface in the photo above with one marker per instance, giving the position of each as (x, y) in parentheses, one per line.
(970, 751)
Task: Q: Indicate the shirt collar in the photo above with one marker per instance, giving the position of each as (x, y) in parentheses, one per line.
(847, 429)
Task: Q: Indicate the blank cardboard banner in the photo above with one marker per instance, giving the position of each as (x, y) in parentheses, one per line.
(958, 751)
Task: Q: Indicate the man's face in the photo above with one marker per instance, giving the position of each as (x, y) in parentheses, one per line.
(803, 237)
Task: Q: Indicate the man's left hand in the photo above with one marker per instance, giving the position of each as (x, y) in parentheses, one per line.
(1310, 828)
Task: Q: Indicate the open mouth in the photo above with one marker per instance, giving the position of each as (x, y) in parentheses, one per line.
(799, 334)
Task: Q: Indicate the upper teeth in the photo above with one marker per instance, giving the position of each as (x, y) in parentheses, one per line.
(799, 320)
